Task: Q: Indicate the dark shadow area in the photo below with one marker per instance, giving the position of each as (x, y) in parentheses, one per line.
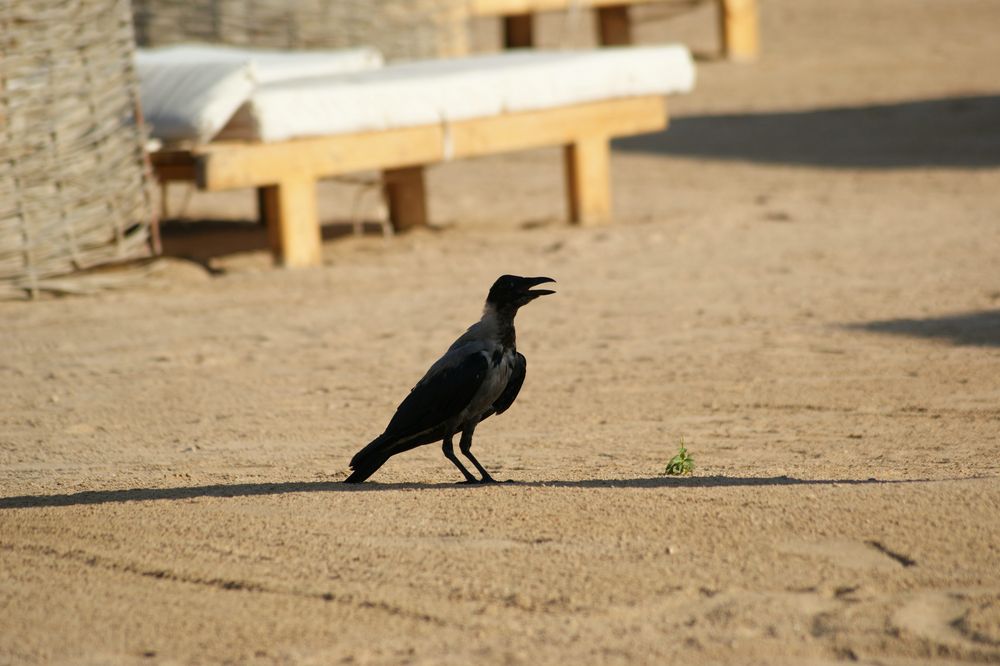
(203, 240)
(959, 132)
(707, 56)
(970, 328)
(258, 489)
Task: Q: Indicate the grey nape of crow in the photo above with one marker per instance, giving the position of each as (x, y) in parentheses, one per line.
(479, 375)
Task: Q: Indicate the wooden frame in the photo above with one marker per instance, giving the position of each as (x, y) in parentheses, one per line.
(285, 173)
(738, 21)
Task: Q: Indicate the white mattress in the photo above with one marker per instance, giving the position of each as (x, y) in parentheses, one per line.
(190, 92)
(288, 105)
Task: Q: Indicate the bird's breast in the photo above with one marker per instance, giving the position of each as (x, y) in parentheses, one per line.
(498, 374)
(501, 366)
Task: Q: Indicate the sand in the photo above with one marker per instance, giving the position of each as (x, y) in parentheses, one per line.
(803, 285)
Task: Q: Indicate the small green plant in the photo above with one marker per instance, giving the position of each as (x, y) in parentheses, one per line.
(680, 465)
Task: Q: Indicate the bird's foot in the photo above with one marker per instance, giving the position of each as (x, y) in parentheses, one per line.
(480, 482)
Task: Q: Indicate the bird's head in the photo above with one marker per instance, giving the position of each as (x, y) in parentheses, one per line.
(510, 292)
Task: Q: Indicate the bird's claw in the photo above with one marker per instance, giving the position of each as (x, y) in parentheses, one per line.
(478, 482)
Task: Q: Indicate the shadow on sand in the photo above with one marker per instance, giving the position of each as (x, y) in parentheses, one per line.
(202, 240)
(968, 328)
(258, 489)
(949, 132)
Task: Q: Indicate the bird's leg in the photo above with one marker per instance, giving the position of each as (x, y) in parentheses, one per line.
(449, 453)
(465, 446)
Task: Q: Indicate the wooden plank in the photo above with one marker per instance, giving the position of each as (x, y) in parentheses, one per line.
(518, 31)
(233, 165)
(509, 7)
(173, 165)
(293, 222)
(614, 28)
(228, 165)
(406, 194)
(739, 28)
(588, 180)
(554, 127)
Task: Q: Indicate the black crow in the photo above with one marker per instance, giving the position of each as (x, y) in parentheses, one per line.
(479, 375)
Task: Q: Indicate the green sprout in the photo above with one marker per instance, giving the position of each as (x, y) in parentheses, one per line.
(680, 465)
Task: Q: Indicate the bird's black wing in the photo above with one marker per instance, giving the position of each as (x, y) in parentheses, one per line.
(506, 399)
(438, 398)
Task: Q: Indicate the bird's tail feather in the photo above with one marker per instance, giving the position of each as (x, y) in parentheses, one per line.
(367, 461)
(362, 473)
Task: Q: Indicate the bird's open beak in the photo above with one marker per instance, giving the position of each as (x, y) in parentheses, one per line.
(532, 294)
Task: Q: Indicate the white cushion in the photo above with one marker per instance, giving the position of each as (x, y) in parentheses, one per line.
(437, 91)
(202, 92)
(190, 92)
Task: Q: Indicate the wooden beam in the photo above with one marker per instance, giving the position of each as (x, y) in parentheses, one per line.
(509, 7)
(588, 180)
(293, 222)
(560, 126)
(229, 165)
(406, 195)
(740, 30)
(614, 28)
(518, 31)
(173, 165)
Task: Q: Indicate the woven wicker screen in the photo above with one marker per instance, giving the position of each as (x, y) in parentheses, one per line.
(74, 191)
(401, 29)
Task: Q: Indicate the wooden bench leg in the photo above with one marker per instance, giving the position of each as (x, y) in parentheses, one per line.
(588, 180)
(739, 27)
(290, 209)
(262, 206)
(613, 25)
(518, 31)
(406, 195)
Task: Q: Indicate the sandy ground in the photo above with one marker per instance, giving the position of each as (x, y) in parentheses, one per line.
(803, 285)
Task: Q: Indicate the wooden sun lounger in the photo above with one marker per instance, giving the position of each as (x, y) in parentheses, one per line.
(286, 172)
(737, 21)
